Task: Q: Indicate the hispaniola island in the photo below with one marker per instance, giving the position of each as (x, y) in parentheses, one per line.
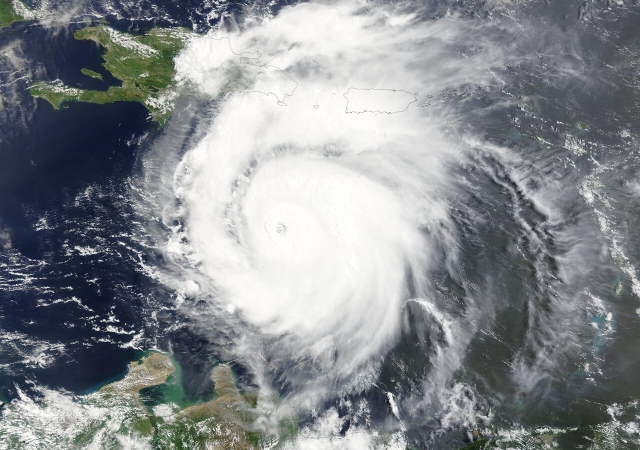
(319, 225)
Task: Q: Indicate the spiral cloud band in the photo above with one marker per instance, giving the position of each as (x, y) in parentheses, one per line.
(318, 193)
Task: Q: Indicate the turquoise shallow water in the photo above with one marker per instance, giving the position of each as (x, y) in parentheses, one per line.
(545, 282)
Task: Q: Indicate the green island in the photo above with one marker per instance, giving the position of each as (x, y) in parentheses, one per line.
(91, 73)
(146, 409)
(143, 63)
(9, 12)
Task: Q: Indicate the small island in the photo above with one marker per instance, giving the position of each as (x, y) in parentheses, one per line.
(91, 73)
(378, 101)
(143, 63)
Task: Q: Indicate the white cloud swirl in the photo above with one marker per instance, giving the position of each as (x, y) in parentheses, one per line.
(317, 224)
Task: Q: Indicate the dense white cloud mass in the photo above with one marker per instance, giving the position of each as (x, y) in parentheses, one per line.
(316, 224)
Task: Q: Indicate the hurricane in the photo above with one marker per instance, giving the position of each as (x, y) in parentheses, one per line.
(318, 200)
(329, 224)
(324, 199)
(319, 224)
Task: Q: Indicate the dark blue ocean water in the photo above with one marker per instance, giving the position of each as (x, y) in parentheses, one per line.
(46, 166)
(70, 243)
(73, 295)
